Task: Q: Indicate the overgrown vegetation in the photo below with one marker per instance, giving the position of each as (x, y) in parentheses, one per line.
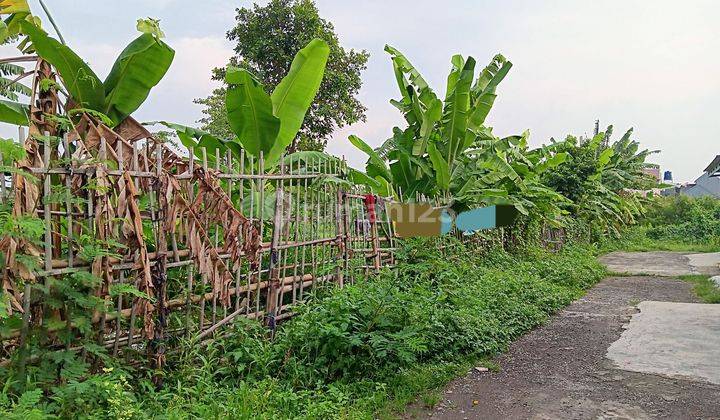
(349, 352)
(676, 223)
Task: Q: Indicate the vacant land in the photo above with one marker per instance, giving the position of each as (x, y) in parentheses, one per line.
(562, 369)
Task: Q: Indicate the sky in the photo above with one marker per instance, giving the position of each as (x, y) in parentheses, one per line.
(652, 65)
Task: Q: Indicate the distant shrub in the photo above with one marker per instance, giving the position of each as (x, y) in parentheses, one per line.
(684, 219)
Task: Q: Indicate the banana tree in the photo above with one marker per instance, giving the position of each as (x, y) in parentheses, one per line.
(506, 172)
(269, 123)
(265, 123)
(425, 156)
(138, 68)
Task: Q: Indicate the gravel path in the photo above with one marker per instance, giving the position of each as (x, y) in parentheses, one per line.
(560, 370)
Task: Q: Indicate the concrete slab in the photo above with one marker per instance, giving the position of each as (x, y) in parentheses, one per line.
(657, 263)
(662, 263)
(672, 339)
(705, 263)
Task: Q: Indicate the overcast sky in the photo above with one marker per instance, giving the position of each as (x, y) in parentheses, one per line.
(652, 65)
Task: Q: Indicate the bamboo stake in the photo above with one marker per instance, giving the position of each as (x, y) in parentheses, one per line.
(190, 277)
(133, 312)
(261, 171)
(304, 231)
(203, 276)
(46, 207)
(272, 292)
(296, 236)
(285, 230)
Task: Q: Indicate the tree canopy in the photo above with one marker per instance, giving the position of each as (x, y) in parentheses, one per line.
(267, 39)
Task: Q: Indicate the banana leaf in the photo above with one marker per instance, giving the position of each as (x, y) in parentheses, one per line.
(375, 160)
(250, 112)
(294, 94)
(455, 112)
(14, 113)
(442, 170)
(80, 81)
(138, 68)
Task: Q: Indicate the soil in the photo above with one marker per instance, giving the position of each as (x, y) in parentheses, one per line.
(560, 369)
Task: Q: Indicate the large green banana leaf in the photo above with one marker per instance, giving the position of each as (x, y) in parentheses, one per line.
(489, 73)
(376, 162)
(455, 113)
(140, 66)
(250, 112)
(485, 88)
(294, 94)
(14, 113)
(404, 66)
(442, 170)
(458, 63)
(80, 81)
(430, 117)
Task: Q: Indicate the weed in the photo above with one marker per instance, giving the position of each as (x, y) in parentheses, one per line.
(704, 287)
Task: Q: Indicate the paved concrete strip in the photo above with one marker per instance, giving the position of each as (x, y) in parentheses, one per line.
(658, 263)
(706, 263)
(673, 339)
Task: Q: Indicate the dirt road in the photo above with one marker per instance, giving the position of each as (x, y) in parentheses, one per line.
(564, 369)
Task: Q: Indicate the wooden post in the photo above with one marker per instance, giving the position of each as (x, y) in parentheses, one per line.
(274, 271)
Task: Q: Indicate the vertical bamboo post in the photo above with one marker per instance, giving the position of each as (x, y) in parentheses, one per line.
(25, 327)
(203, 276)
(131, 330)
(68, 201)
(285, 233)
(341, 238)
(46, 206)
(251, 270)
(273, 279)
(240, 200)
(316, 228)
(346, 227)
(191, 274)
(304, 231)
(296, 237)
(261, 216)
(160, 272)
(102, 155)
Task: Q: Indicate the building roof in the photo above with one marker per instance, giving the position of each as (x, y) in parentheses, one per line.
(714, 166)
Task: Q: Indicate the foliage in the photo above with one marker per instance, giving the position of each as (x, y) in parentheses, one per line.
(684, 219)
(350, 352)
(424, 157)
(10, 88)
(265, 123)
(136, 71)
(598, 179)
(293, 24)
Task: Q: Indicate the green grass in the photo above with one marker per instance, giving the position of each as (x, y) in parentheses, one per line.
(704, 288)
(636, 239)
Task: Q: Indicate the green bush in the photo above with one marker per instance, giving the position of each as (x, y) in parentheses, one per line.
(685, 220)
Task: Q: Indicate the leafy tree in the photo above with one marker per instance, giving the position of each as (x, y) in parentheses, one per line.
(268, 37)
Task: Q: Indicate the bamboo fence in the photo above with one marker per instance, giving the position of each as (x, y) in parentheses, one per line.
(203, 238)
